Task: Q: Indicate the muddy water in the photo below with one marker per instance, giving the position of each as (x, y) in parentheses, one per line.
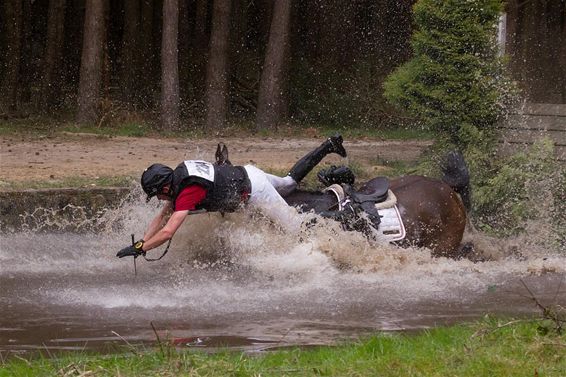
(237, 281)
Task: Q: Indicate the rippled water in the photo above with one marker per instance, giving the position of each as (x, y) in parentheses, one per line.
(237, 281)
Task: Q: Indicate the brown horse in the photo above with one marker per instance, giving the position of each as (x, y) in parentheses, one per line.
(433, 212)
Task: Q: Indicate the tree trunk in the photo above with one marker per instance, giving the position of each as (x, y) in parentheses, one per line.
(562, 61)
(91, 63)
(74, 33)
(51, 80)
(201, 14)
(12, 59)
(217, 72)
(184, 36)
(27, 75)
(199, 50)
(146, 53)
(273, 77)
(170, 67)
(129, 61)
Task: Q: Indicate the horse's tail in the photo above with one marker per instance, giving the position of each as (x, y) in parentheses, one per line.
(457, 176)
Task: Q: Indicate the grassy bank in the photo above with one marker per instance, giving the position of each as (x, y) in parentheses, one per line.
(41, 126)
(487, 348)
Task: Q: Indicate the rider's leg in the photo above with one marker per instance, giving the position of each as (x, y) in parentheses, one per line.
(308, 162)
(283, 185)
(265, 197)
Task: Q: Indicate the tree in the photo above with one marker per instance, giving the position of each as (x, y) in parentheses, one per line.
(51, 80)
(129, 56)
(271, 98)
(199, 48)
(147, 53)
(12, 59)
(91, 62)
(217, 70)
(170, 66)
(454, 83)
(184, 37)
(27, 72)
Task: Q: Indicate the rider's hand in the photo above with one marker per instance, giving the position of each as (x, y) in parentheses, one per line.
(134, 250)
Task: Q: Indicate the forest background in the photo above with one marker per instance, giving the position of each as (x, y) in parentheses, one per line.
(202, 65)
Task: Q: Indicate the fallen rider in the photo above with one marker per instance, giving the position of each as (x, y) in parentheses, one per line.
(196, 186)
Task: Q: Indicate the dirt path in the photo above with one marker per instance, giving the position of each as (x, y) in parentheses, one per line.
(25, 158)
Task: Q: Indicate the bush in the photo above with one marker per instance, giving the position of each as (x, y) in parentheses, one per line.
(455, 83)
(351, 97)
(527, 186)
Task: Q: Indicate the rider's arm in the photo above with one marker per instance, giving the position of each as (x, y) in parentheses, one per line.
(167, 231)
(158, 221)
(185, 202)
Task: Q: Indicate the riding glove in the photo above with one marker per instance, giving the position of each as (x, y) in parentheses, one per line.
(134, 250)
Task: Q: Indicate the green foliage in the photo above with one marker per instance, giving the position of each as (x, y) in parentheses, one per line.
(349, 97)
(507, 197)
(455, 83)
(68, 182)
(558, 212)
(488, 348)
(131, 129)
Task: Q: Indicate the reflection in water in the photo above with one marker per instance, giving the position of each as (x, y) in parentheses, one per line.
(237, 281)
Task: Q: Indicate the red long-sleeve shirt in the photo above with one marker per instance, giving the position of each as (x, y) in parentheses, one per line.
(190, 197)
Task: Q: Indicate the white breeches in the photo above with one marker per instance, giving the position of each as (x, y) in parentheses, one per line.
(265, 196)
(284, 185)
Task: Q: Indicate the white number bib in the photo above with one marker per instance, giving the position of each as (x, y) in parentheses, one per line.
(200, 169)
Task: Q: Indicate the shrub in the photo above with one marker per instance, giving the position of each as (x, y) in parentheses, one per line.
(350, 97)
(455, 83)
(526, 186)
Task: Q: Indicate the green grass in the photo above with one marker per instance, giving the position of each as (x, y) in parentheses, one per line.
(38, 126)
(137, 127)
(125, 129)
(402, 133)
(362, 172)
(68, 182)
(487, 348)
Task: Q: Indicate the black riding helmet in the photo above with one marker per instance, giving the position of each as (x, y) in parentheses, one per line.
(154, 178)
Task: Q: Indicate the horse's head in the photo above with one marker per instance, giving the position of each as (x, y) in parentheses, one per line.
(221, 155)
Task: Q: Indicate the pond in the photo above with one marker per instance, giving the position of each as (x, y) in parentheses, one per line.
(235, 281)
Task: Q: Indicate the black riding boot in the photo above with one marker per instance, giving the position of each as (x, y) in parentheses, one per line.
(307, 163)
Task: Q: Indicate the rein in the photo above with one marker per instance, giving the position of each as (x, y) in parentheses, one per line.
(149, 259)
(162, 255)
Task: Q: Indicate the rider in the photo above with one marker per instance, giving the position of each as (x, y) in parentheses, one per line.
(201, 186)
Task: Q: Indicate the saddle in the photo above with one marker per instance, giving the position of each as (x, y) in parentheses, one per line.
(355, 201)
(343, 176)
(368, 201)
(380, 187)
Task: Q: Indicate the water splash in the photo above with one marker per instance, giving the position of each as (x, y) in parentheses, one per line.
(238, 275)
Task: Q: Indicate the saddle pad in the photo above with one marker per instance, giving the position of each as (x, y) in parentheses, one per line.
(391, 227)
(387, 203)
